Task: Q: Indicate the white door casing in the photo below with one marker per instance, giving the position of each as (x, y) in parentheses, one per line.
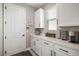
(1, 30)
(14, 29)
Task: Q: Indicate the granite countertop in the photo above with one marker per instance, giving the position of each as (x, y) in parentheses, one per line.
(59, 41)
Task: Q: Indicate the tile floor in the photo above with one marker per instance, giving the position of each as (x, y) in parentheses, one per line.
(24, 53)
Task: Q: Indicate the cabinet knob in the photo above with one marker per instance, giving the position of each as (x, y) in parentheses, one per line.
(23, 35)
(51, 52)
(54, 53)
(46, 43)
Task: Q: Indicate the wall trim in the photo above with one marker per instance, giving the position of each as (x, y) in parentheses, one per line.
(28, 49)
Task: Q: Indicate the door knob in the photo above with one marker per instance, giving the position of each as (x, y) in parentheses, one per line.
(23, 35)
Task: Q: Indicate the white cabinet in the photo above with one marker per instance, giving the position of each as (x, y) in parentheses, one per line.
(61, 51)
(36, 45)
(33, 43)
(65, 51)
(58, 53)
(39, 18)
(74, 53)
(47, 48)
(68, 14)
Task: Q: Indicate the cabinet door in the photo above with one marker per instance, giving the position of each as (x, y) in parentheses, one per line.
(73, 52)
(68, 14)
(61, 50)
(33, 43)
(39, 18)
(38, 46)
(58, 53)
(46, 49)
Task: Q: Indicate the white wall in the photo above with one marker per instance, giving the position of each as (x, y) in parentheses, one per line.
(29, 22)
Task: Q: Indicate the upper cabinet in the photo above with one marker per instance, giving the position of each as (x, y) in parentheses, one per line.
(39, 18)
(68, 14)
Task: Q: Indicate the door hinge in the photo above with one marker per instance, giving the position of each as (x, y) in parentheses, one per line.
(5, 37)
(5, 52)
(5, 22)
(5, 7)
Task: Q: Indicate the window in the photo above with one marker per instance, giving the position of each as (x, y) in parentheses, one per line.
(51, 18)
(52, 24)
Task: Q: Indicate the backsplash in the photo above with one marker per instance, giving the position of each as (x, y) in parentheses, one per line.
(73, 28)
(50, 35)
(39, 31)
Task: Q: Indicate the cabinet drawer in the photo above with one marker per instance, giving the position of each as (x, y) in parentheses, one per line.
(74, 53)
(62, 49)
(66, 50)
(46, 43)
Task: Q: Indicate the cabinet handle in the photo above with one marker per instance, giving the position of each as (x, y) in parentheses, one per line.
(54, 53)
(46, 43)
(63, 50)
(23, 35)
(39, 25)
(51, 52)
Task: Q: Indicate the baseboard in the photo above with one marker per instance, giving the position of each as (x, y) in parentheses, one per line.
(28, 49)
(31, 51)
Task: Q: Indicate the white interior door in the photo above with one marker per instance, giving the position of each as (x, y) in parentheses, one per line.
(15, 29)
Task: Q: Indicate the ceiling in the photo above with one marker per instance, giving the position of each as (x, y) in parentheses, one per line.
(36, 5)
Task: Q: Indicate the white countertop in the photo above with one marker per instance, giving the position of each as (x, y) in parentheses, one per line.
(59, 41)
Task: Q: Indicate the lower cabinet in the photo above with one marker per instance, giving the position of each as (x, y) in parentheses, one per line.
(45, 48)
(33, 43)
(60, 51)
(64, 51)
(36, 45)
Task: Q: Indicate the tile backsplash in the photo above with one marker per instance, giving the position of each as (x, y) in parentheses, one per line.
(39, 31)
(72, 28)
